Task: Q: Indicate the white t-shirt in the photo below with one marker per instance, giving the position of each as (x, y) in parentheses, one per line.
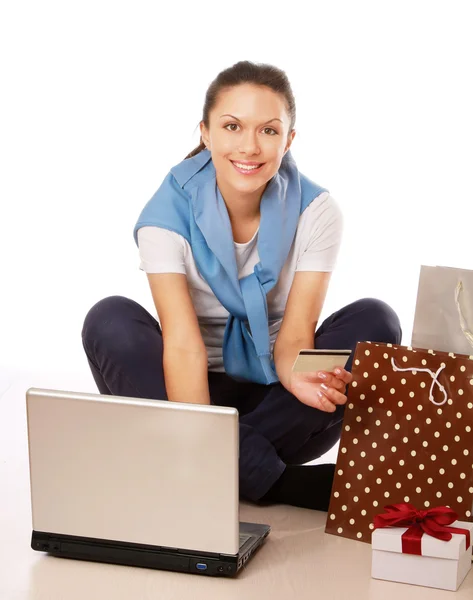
(315, 248)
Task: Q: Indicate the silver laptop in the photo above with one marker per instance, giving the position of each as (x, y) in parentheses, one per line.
(148, 483)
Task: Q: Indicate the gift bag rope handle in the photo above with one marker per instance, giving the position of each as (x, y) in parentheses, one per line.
(463, 324)
(434, 381)
(469, 337)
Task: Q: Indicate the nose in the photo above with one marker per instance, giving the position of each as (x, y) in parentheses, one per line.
(249, 144)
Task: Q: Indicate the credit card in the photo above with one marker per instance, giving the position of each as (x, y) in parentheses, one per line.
(320, 360)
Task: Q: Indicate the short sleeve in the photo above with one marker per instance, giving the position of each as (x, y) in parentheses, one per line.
(322, 235)
(161, 250)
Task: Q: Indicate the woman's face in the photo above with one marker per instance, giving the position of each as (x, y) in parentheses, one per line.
(256, 132)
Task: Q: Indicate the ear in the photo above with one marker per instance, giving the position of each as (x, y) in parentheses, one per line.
(289, 141)
(204, 134)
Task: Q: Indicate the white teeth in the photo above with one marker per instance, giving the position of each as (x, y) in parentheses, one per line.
(246, 166)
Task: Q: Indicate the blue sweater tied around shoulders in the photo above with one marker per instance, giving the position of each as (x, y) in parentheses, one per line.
(189, 203)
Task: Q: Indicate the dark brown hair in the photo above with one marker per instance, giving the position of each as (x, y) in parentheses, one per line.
(247, 72)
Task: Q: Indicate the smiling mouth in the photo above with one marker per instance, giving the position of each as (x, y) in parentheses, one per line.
(249, 169)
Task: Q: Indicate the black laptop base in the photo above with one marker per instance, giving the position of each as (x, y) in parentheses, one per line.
(140, 555)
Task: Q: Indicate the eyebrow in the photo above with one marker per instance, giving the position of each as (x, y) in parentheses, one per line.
(237, 119)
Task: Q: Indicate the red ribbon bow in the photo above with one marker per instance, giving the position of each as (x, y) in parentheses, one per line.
(434, 522)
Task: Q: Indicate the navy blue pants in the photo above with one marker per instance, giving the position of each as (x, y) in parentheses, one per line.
(124, 348)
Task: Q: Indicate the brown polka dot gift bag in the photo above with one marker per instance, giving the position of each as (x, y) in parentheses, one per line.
(407, 436)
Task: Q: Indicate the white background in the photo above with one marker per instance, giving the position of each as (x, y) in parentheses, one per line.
(100, 99)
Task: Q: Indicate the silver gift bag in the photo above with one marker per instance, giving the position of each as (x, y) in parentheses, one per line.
(444, 310)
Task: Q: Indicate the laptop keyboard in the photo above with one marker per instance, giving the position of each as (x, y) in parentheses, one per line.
(244, 537)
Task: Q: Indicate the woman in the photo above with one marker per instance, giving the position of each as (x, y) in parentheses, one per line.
(238, 247)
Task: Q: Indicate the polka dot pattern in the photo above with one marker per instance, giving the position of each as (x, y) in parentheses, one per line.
(415, 451)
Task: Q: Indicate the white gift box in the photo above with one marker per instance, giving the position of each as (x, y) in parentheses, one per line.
(442, 565)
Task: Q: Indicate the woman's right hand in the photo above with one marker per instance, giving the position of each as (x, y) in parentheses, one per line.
(324, 393)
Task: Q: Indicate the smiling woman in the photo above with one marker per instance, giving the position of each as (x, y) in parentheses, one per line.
(239, 246)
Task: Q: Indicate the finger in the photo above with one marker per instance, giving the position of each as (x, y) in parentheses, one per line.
(332, 381)
(322, 377)
(333, 395)
(344, 375)
(324, 403)
(329, 379)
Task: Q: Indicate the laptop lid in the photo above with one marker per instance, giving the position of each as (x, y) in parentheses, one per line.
(133, 470)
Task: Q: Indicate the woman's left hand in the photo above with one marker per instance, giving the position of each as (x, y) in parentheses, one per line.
(321, 389)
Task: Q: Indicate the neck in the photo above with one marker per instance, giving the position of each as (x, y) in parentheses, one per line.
(242, 217)
(242, 208)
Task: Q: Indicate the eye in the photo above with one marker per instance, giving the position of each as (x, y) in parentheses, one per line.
(265, 128)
